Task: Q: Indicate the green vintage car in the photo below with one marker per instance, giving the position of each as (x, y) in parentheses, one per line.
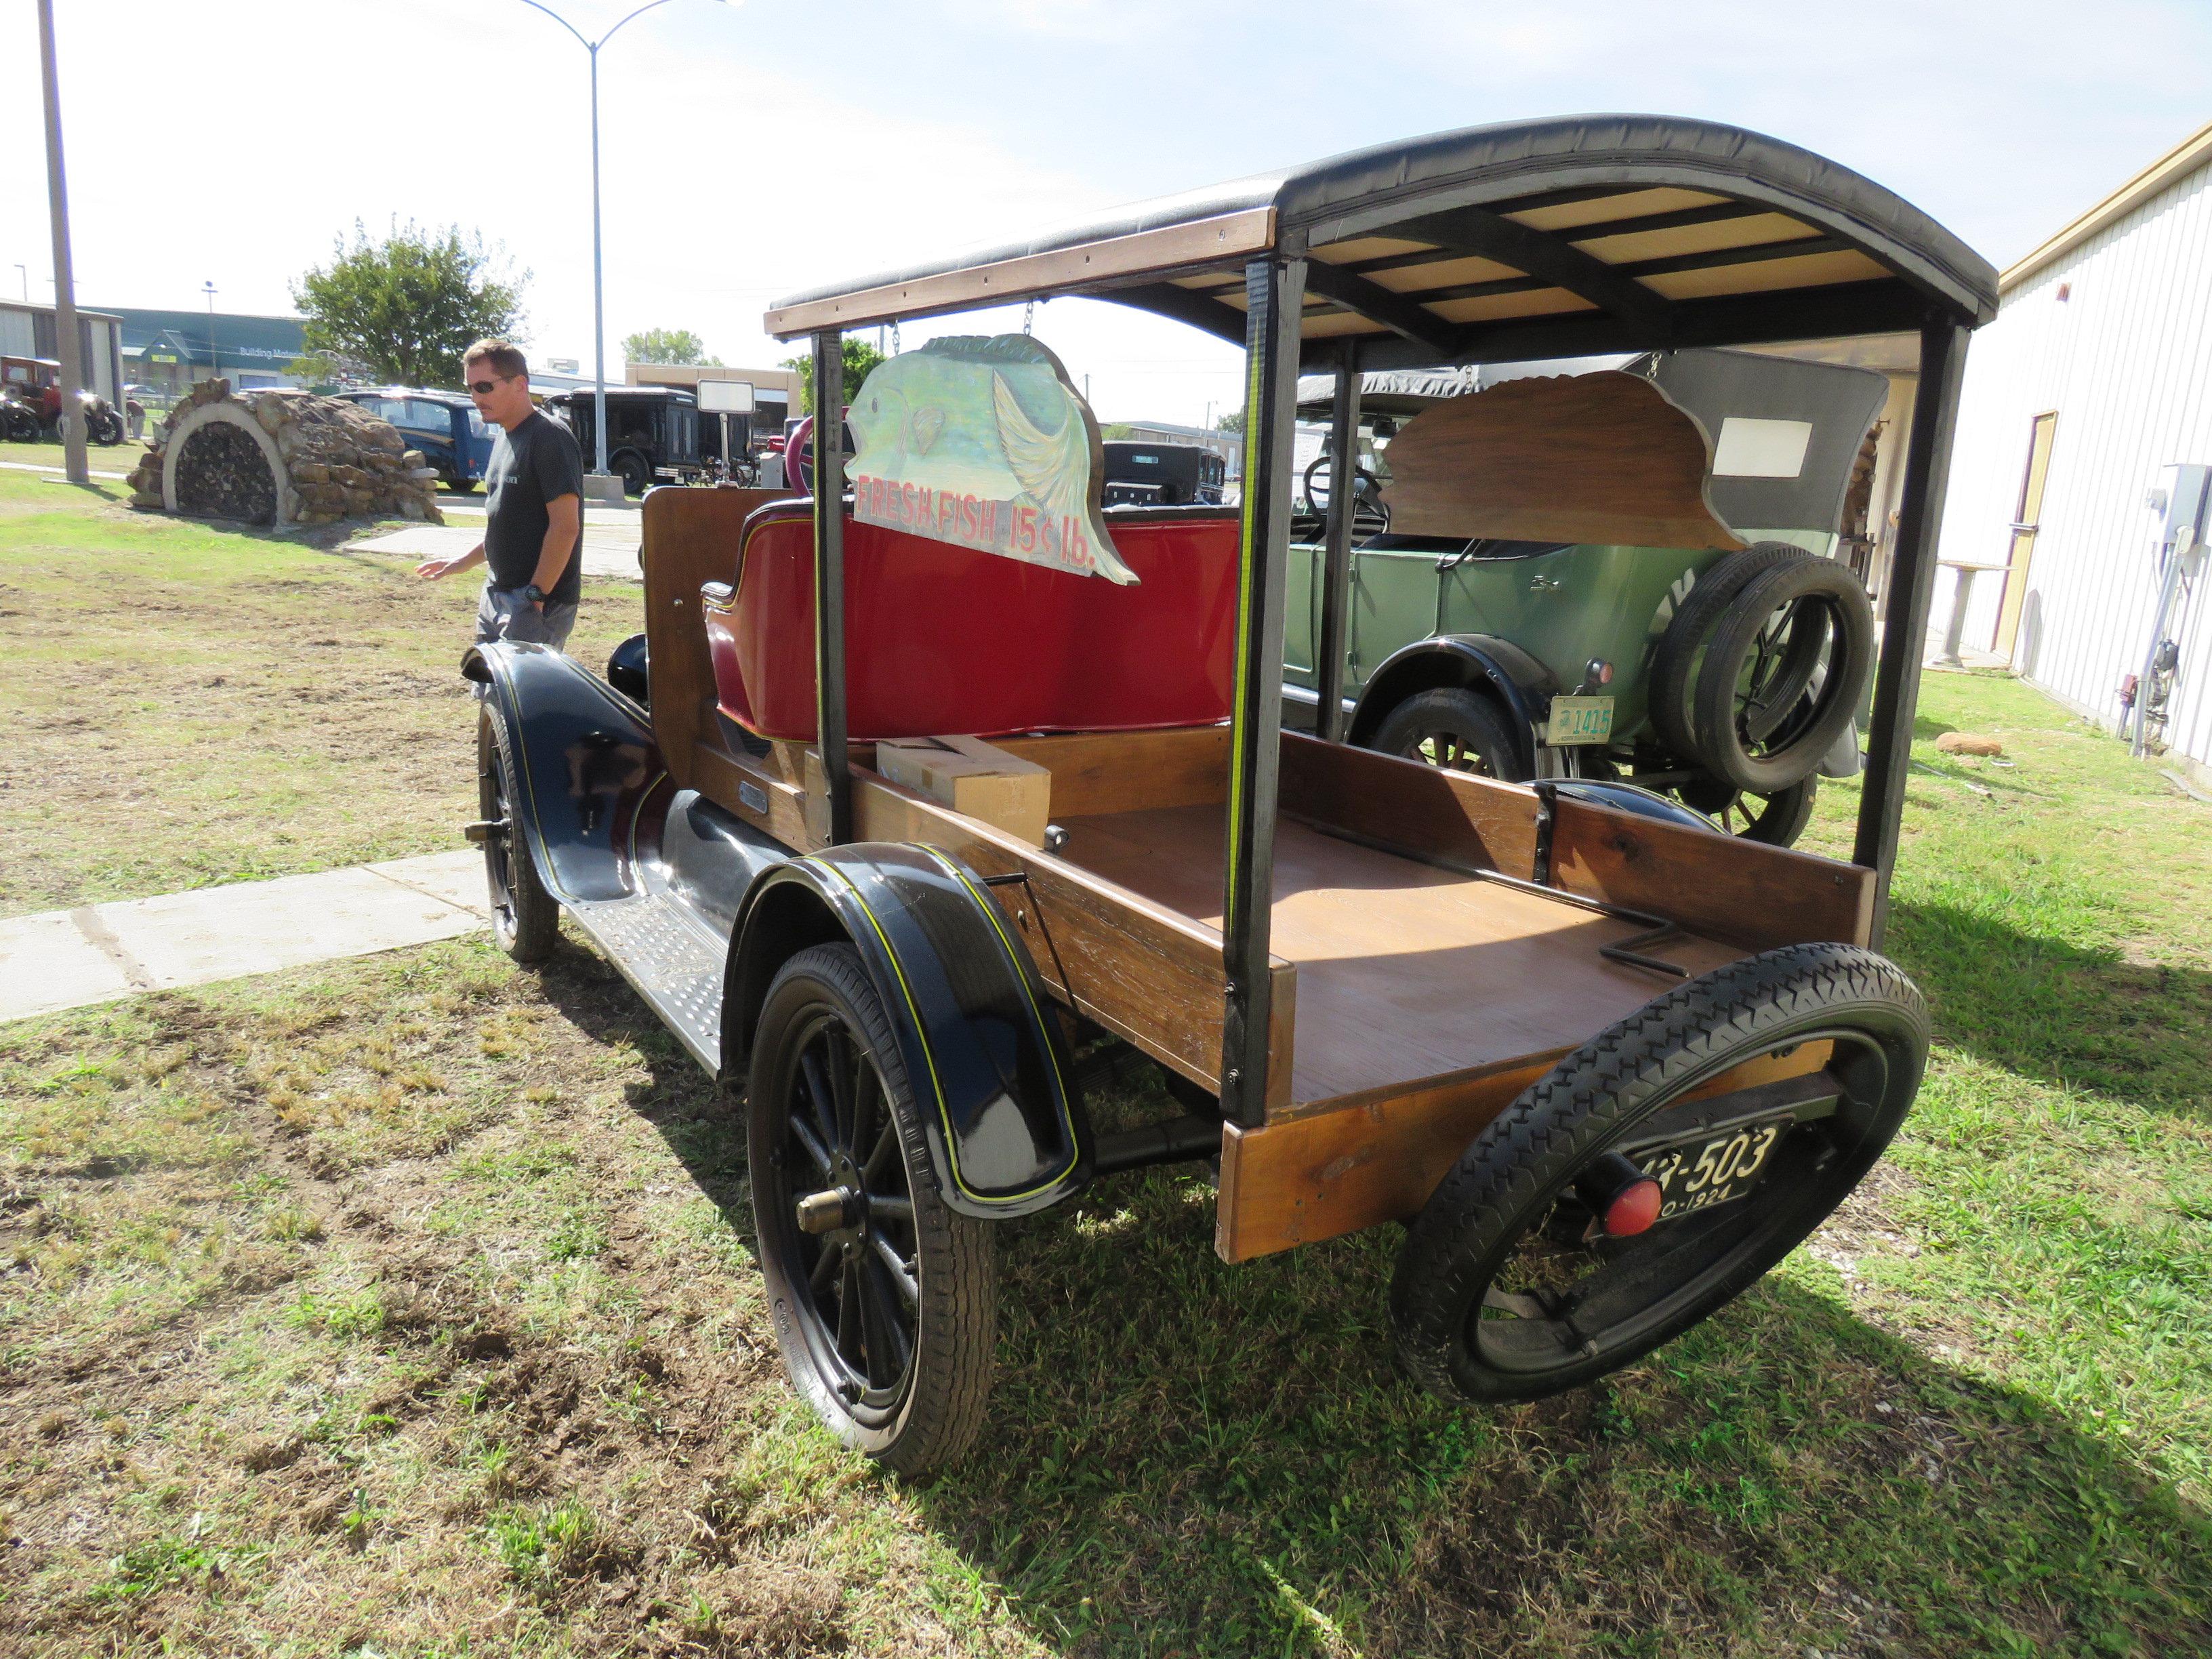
(1558, 654)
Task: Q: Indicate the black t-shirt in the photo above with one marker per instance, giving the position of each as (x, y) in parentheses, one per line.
(537, 462)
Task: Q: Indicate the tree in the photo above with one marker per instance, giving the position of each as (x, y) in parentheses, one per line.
(859, 358)
(1232, 422)
(678, 346)
(404, 307)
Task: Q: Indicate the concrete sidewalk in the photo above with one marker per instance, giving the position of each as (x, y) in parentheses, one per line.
(60, 959)
(612, 552)
(57, 471)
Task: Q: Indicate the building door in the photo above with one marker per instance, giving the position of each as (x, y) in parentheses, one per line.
(2023, 527)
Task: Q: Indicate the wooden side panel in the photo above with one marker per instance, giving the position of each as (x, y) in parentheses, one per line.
(1601, 457)
(1754, 896)
(1403, 803)
(1303, 1179)
(742, 785)
(1145, 973)
(1098, 771)
(691, 536)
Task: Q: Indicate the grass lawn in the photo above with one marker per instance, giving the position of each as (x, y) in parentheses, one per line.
(406, 1306)
(195, 702)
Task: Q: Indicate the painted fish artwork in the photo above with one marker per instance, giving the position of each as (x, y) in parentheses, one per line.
(983, 442)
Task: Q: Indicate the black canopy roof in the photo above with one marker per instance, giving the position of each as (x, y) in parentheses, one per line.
(1563, 237)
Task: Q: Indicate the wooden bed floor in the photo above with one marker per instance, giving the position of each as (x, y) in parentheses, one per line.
(1405, 971)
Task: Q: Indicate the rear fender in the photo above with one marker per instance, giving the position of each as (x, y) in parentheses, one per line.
(1478, 662)
(588, 774)
(989, 1064)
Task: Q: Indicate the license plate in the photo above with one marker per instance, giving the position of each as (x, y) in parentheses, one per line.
(1580, 719)
(1714, 1169)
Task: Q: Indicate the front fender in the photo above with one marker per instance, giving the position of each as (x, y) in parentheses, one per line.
(1515, 677)
(989, 1065)
(587, 769)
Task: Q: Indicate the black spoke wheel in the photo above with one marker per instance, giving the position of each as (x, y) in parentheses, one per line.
(636, 476)
(525, 918)
(885, 1301)
(1456, 730)
(1510, 1287)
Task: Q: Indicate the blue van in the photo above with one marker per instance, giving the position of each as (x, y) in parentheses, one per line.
(444, 425)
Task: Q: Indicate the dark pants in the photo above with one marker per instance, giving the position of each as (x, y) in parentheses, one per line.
(503, 614)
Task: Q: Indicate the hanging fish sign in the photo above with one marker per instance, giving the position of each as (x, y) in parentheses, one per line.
(983, 443)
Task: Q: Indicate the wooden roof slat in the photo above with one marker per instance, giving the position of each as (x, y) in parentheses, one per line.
(1840, 268)
(1752, 230)
(1478, 230)
(1563, 211)
(1400, 315)
(1443, 273)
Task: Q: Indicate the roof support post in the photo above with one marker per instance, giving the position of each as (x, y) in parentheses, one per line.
(829, 579)
(1274, 294)
(1336, 562)
(1911, 582)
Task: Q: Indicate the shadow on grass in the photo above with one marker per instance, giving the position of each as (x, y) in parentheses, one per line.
(1187, 1458)
(2085, 1017)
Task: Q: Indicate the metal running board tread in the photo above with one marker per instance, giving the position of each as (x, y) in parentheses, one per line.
(675, 962)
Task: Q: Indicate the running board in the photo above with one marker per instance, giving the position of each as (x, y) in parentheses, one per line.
(672, 959)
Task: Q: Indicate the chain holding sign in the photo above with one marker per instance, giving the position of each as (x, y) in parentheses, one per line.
(986, 444)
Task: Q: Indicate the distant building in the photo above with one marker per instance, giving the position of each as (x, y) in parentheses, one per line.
(2096, 373)
(27, 330)
(171, 351)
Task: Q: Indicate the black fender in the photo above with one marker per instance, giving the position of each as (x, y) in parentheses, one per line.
(588, 773)
(1521, 683)
(1005, 1122)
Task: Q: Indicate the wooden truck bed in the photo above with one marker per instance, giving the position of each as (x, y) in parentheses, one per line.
(1412, 998)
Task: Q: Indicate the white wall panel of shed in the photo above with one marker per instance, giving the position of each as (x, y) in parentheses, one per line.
(2126, 362)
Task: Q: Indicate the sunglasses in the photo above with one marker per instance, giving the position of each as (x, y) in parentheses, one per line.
(482, 388)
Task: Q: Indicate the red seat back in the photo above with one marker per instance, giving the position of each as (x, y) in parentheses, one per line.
(942, 639)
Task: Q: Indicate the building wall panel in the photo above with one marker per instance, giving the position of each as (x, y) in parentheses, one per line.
(2125, 360)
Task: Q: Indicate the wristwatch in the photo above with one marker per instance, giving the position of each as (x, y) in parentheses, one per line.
(534, 594)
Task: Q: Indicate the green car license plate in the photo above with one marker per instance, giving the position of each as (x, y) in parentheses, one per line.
(1714, 1169)
(1580, 719)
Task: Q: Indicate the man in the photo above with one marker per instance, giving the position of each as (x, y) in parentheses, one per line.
(534, 490)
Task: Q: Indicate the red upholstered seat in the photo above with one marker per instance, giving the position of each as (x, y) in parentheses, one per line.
(941, 639)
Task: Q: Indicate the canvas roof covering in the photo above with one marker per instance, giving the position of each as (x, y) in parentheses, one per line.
(1570, 236)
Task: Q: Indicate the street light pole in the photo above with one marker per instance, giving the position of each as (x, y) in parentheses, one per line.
(70, 353)
(599, 292)
(215, 357)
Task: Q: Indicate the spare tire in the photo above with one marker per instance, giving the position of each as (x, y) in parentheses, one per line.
(1690, 630)
(1762, 714)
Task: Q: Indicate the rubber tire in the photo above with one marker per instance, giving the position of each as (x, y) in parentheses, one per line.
(1674, 661)
(1478, 721)
(462, 486)
(1714, 740)
(1529, 1153)
(636, 476)
(527, 925)
(957, 1330)
(1788, 811)
(104, 428)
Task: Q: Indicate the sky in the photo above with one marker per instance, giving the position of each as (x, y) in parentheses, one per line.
(751, 151)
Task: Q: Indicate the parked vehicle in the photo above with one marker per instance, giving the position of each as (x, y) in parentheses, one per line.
(1163, 474)
(1609, 1065)
(1559, 656)
(444, 425)
(653, 433)
(32, 408)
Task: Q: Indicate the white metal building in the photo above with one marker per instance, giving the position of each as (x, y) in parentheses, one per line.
(2096, 372)
(27, 330)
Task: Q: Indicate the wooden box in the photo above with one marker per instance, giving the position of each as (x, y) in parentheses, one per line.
(975, 778)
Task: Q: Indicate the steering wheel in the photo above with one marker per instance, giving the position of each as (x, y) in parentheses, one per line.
(1366, 488)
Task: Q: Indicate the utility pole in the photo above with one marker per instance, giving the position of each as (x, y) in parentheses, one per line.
(215, 357)
(70, 352)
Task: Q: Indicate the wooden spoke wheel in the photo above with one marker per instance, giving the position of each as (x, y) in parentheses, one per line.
(1458, 731)
(884, 1299)
(1615, 1203)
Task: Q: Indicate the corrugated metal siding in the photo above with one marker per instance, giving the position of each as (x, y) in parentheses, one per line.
(2126, 362)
